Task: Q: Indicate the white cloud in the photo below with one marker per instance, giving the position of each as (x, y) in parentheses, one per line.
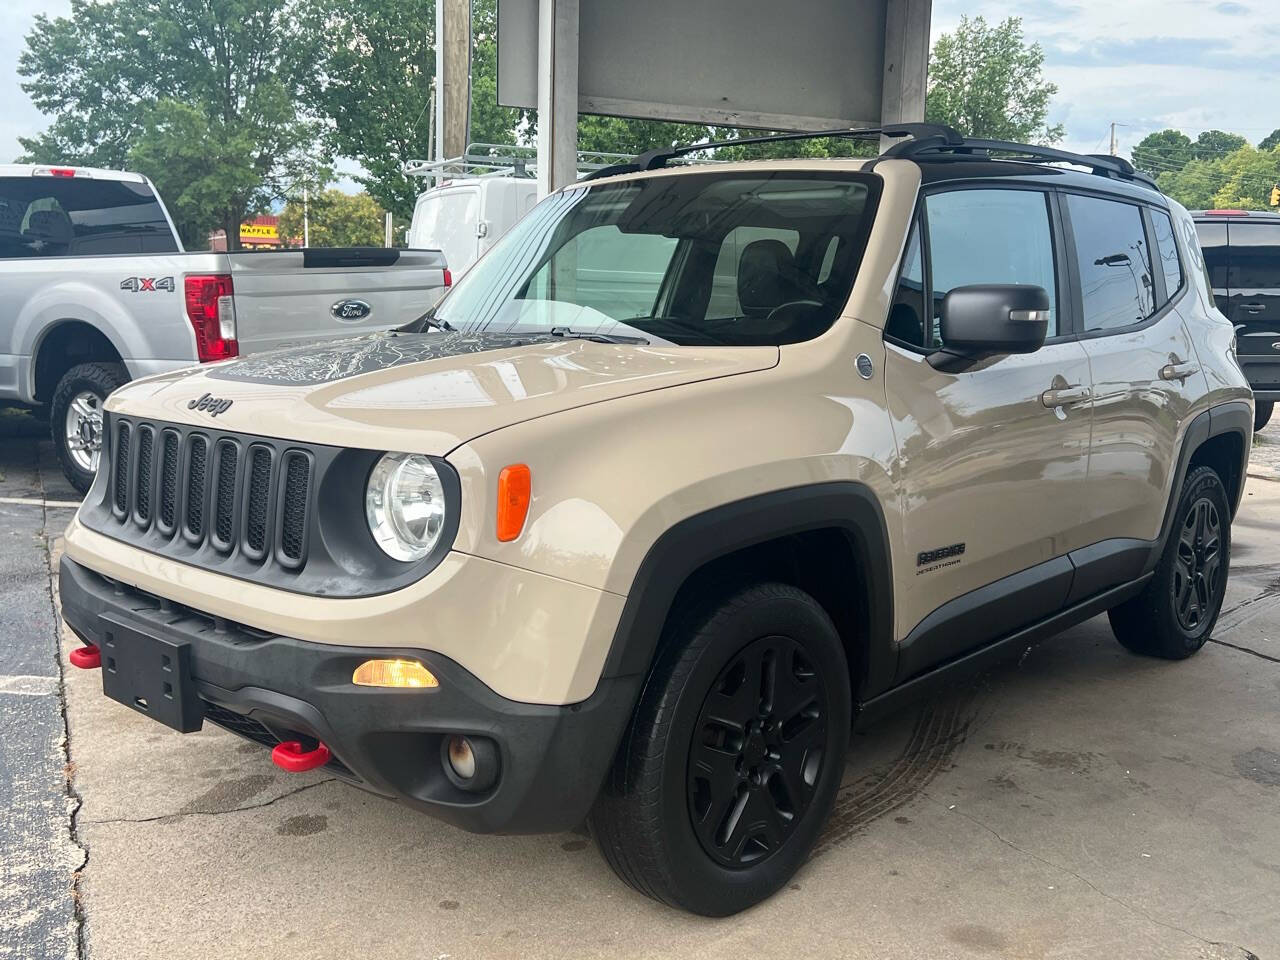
(1145, 64)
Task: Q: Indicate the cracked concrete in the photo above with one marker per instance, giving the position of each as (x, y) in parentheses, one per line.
(1079, 803)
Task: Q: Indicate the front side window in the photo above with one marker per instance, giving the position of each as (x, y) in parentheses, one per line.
(1116, 284)
(990, 236)
(702, 258)
(907, 316)
(80, 216)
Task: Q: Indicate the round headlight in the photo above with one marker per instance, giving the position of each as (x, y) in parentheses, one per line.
(405, 506)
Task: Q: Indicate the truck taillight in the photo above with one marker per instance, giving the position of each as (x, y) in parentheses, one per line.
(212, 313)
(448, 278)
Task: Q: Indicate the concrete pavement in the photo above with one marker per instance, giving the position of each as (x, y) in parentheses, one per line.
(1082, 802)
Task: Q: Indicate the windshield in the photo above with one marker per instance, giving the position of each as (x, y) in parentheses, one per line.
(707, 258)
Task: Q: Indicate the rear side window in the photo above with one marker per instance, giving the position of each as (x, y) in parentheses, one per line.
(1167, 251)
(1115, 265)
(989, 236)
(64, 216)
(1255, 258)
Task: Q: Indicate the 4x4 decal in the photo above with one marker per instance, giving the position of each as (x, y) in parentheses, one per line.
(147, 284)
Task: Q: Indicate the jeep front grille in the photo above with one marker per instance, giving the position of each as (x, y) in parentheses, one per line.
(236, 496)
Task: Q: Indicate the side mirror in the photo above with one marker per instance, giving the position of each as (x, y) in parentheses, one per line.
(994, 319)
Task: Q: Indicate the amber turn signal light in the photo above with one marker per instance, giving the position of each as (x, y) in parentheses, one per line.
(393, 673)
(515, 484)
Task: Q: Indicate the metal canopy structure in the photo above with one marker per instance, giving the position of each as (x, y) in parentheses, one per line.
(799, 65)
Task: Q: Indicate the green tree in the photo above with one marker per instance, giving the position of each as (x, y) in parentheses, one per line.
(988, 82)
(1240, 180)
(1214, 144)
(198, 94)
(1162, 152)
(337, 219)
(1270, 141)
(373, 78)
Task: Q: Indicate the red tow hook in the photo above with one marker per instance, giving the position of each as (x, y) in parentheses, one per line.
(292, 758)
(87, 657)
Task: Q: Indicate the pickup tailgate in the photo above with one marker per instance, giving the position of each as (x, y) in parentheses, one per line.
(300, 296)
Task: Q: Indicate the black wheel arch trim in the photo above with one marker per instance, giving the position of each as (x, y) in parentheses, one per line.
(1234, 416)
(691, 544)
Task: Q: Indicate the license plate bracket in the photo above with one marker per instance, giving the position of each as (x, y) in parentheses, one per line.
(150, 674)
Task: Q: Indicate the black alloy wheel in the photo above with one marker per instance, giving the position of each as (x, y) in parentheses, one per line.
(1198, 566)
(757, 751)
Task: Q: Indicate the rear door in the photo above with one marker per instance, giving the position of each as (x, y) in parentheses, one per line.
(95, 249)
(290, 297)
(1145, 374)
(1253, 276)
(448, 219)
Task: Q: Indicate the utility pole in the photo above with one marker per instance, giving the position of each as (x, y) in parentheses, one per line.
(453, 77)
(306, 218)
(1113, 138)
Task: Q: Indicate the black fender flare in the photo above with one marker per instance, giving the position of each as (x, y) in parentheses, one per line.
(1235, 416)
(692, 543)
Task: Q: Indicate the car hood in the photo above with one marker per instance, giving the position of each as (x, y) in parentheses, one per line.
(419, 392)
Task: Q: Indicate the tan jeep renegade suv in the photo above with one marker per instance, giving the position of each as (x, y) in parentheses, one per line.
(697, 467)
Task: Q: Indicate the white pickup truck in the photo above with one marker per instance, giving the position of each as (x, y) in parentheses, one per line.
(96, 290)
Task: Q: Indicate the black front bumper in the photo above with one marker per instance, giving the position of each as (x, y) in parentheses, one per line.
(268, 688)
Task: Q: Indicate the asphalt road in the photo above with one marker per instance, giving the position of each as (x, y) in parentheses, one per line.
(1082, 802)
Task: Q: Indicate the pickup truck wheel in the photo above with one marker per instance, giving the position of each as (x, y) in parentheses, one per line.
(731, 763)
(1262, 413)
(75, 418)
(1176, 611)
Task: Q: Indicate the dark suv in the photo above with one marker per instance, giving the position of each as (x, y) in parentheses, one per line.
(1242, 252)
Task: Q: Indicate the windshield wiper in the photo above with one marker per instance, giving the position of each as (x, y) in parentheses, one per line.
(428, 319)
(571, 334)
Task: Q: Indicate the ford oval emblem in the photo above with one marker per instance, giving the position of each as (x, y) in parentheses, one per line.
(350, 311)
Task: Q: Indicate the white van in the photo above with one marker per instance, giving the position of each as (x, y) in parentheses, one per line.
(464, 218)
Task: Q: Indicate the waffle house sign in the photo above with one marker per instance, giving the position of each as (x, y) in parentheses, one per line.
(259, 234)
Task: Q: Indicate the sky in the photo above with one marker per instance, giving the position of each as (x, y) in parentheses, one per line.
(1145, 64)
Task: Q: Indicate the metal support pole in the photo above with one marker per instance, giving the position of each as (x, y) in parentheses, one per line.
(906, 62)
(557, 94)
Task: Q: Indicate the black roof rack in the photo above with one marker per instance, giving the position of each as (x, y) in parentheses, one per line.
(927, 140)
(656, 159)
(1103, 165)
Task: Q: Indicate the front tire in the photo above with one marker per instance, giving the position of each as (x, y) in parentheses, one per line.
(1176, 611)
(1262, 413)
(731, 763)
(75, 418)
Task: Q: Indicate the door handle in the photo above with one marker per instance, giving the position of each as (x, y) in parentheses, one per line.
(1253, 307)
(1178, 371)
(1065, 396)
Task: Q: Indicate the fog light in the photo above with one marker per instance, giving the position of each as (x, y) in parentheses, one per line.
(462, 758)
(470, 763)
(393, 673)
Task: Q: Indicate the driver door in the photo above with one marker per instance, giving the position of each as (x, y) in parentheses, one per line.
(992, 459)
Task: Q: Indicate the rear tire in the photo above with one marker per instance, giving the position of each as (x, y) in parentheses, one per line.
(1175, 613)
(731, 762)
(1261, 413)
(75, 418)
